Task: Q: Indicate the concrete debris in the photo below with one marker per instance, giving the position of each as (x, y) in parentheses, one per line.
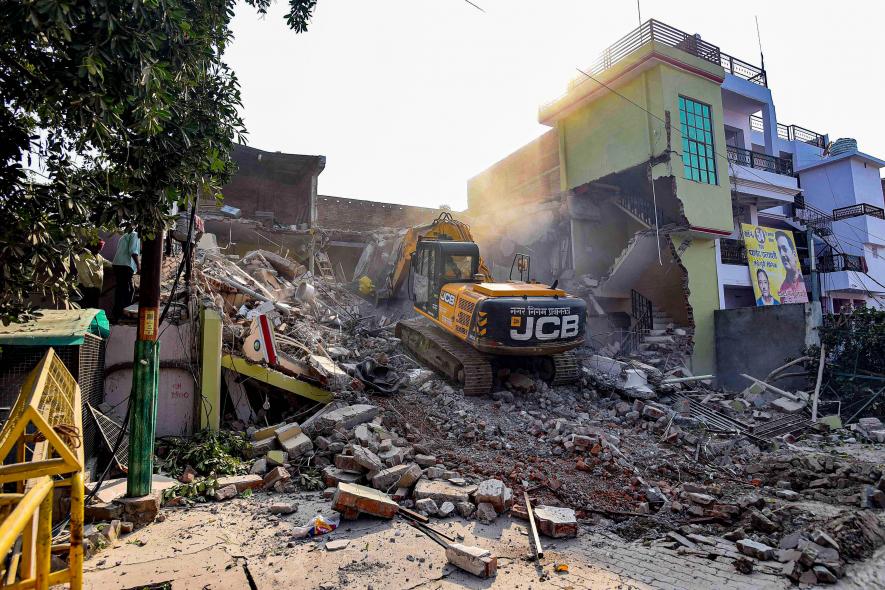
(479, 562)
(351, 500)
(556, 521)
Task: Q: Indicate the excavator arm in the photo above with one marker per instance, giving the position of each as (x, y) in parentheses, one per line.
(443, 227)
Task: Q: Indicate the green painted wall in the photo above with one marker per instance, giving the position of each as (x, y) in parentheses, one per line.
(705, 205)
(608, 134)
(699, 260)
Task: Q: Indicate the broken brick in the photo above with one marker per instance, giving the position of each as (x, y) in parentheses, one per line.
(352, 499)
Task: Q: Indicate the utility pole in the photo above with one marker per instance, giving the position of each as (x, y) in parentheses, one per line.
(812, 264)
(145, 371)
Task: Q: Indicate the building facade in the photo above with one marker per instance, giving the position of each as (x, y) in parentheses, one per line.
(634, 198)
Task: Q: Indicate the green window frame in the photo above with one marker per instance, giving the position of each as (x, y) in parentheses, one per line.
(698, 154)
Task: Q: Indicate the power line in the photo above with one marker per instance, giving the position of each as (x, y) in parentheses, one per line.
(479, 8)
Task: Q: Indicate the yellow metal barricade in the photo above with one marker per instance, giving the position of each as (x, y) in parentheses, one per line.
(45, 432)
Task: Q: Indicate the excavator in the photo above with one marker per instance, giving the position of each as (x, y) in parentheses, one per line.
(469, 325)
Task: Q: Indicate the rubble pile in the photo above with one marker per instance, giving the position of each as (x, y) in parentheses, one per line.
(639, 447)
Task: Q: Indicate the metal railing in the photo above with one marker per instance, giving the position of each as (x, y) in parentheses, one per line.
(819, 221)
(742, 69)
(642, 208)
(732, 251)
(759, 161)
(857, 211)
(791, 132)
(653, 30)
(42, 439)
(841, 262)
(641, 310)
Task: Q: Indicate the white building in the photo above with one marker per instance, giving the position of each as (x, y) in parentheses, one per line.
(784, 176)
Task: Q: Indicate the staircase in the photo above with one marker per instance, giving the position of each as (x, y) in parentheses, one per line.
(655, 338)
(665, 344)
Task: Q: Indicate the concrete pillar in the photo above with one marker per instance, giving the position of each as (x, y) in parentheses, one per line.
(209, 406)
(769, 119)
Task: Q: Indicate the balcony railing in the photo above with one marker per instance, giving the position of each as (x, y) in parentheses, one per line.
(732, 251)
(819, 221)
(841, 262)
(759, 161)
(790, 132)
(858, 211)
(742, 69)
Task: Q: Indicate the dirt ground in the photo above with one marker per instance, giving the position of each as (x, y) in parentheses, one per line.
(239, 544)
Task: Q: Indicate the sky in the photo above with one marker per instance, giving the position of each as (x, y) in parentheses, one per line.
(408, 99)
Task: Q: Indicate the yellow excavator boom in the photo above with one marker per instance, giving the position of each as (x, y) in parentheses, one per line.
(443, 227)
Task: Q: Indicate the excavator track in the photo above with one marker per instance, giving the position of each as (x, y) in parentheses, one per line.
(566, 369)
(450, 356)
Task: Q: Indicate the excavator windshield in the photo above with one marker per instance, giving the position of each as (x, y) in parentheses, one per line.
(458, 267)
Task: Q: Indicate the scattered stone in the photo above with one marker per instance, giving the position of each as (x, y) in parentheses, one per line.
(225, 493)
(332, 476)
(366, 459)
(347, 417)
(556, 522)
(751, 548)
(427, 506)
(352, 499)
(103, 511)
(824, 575)
(701, 499)
(283, 508)
(188, 475)
(262, 446)
(337, 544)
(241, 482)
(485, 513)
(425, 460)
(274, 476)
(491, 491)
(445, 510)
(465, 509)
(440, 491)
(479, 562)
(259, 467)
(400, 476)
(297, 446)
(276, 458)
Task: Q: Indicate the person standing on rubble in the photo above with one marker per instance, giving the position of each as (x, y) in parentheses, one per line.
(90, 267)
(126, 264)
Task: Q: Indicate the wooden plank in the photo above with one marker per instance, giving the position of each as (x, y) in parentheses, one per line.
(538, 552)
(413, 515)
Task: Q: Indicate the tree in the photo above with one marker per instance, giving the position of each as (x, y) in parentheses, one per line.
(112, 111)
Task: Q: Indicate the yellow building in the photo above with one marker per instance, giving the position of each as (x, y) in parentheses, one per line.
(625, 197)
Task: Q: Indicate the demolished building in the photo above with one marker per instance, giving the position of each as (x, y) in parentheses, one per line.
(635, 196)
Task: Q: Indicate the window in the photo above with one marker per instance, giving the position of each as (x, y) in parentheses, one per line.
(458, 267)
(698, 156)
(734, 137)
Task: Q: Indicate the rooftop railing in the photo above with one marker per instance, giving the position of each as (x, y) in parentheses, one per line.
(790, 132)
(759, 161)
(653, 30)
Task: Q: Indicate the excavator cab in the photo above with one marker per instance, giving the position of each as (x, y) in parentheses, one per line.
(436, 263)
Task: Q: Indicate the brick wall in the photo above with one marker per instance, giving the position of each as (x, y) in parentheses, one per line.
(528, 175)
(273, 181)
(359, 215)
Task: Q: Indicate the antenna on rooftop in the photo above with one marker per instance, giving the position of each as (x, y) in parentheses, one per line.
(758, 38)
(639, 13)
